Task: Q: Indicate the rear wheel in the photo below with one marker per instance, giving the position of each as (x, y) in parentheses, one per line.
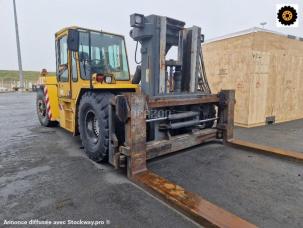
(93, 121)
(42, 111)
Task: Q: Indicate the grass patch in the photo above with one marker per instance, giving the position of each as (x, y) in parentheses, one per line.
(9, 75)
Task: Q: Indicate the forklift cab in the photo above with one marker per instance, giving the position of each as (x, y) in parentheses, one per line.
(89, 59)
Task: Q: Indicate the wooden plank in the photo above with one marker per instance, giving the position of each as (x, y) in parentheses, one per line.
(227, 68)
(265, 69)
(285, 71)
(197, 208)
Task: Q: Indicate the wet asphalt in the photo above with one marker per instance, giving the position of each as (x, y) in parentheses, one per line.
(45, 175)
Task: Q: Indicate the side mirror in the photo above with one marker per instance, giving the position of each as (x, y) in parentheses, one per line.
(202, 38)
(73, 40)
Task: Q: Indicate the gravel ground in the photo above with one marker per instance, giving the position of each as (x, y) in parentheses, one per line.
(45, 175)
(264, 190)
(287, 135)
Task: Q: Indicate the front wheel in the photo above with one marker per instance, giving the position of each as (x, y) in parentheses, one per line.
(93, 121)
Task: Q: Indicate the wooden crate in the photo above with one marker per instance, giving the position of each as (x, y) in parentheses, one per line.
(265, 69)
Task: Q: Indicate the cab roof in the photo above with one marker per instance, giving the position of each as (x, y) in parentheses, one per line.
(81, 28)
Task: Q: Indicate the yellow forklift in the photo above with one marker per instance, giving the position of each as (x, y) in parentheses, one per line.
(87, 95)
(167, 106)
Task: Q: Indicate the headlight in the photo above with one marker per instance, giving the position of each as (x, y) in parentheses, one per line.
(137, 20)
(108, 79)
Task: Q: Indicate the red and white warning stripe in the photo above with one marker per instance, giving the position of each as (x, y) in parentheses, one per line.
(49, 113)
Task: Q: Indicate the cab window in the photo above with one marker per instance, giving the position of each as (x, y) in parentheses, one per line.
(84, 53)
(62, 67)
(102, 53)
(74, 67)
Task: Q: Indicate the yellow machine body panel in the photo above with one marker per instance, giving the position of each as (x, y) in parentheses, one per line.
(64, 107)
(65, 92)
(50, 83)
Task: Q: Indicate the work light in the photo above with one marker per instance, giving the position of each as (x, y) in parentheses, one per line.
(108, 79)
(137, 20)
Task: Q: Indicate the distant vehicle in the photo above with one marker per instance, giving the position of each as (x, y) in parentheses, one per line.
(3, 89)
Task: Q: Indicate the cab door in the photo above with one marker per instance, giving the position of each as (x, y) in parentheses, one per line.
(64, 84)
(63, 72)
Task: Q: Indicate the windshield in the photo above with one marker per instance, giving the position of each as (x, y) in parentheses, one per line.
(102, 53)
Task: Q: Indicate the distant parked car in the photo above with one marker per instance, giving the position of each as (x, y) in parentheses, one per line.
(3, 89)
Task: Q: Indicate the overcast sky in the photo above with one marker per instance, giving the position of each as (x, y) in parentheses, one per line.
(40, 19)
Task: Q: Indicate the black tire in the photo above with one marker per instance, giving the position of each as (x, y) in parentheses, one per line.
(93, 122)
(41, 111)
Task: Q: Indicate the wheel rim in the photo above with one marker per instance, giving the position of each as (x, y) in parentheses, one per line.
(92, 127)
(41, 108)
